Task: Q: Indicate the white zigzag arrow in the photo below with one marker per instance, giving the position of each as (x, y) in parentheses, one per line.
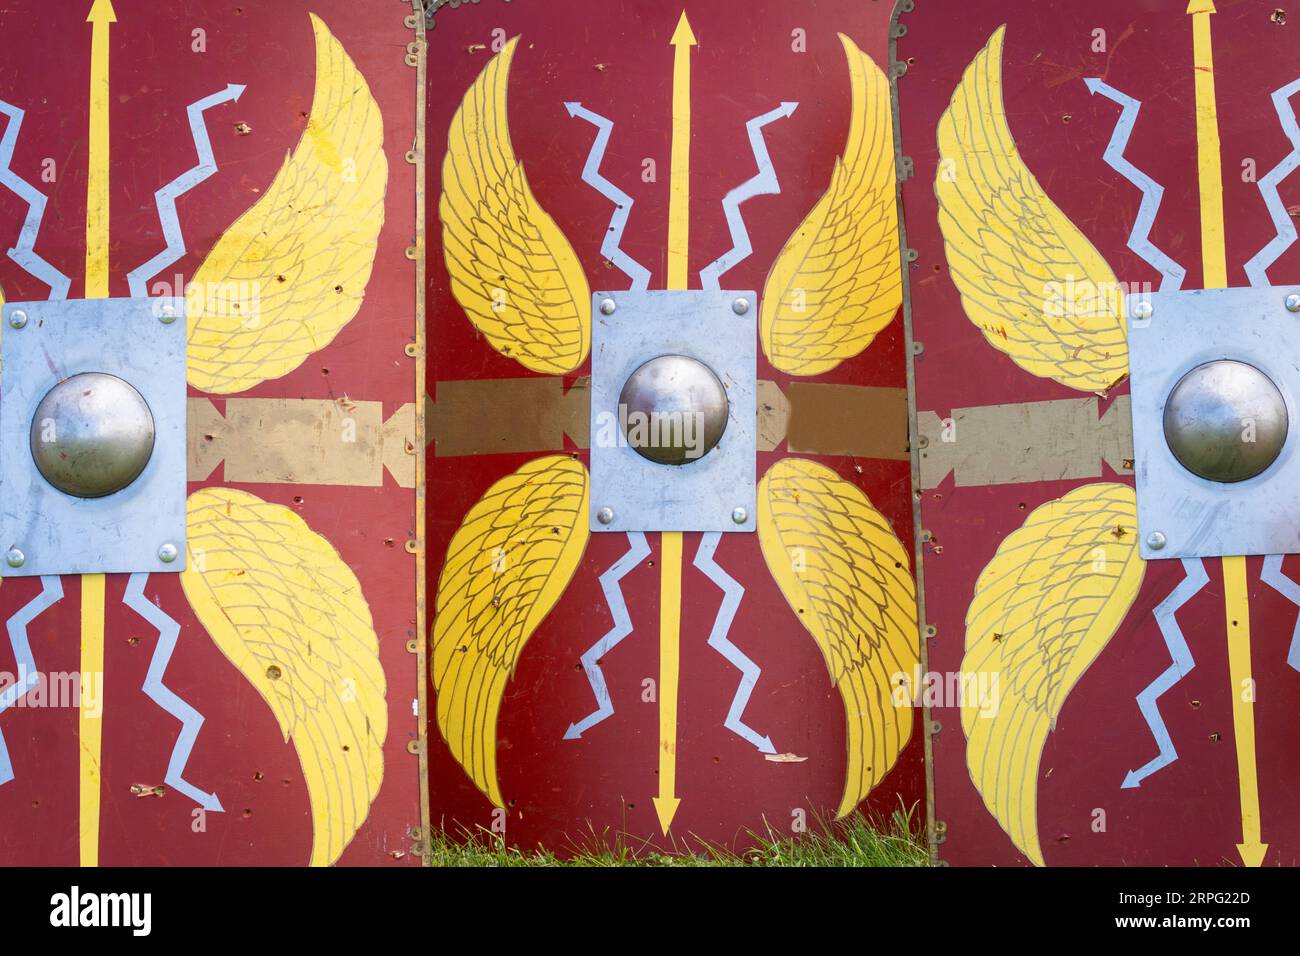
(165, 198)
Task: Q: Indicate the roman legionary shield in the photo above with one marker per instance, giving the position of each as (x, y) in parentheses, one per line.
(210, 222)
(1099, 210)
(643, 218)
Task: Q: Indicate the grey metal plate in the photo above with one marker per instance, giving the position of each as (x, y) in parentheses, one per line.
(60, 534)
(701, 495)
(1198, 517)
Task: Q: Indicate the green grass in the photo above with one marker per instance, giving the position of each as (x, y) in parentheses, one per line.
(855, 841)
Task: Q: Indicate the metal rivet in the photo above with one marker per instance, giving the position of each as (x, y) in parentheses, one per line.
(740, 515)
(17, 318)
(15, 558)
(740, 306)
(167, 553)
(1293, 302)
(1142, 310)
(605, 515)
(607, 306)
(1156, 541)
(167, 314)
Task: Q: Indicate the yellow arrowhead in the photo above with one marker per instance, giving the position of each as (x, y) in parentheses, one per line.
(101, 11)
(1252, 854)
(683, 36)
(666, 807)
(1201, 6)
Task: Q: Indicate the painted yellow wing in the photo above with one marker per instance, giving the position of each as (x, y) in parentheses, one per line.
(293, 269)
(838, 281)
(1046, 605)
(847, 576)
(506, 566)
(289, 614)
(1029, 279)
(512, 270)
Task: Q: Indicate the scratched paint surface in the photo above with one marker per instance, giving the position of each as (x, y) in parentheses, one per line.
(1190, 811)
(616, 60)
(240, 752)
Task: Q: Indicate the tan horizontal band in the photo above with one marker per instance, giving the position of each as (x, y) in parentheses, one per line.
(301, 441)
(514, 415)
(1025, 442)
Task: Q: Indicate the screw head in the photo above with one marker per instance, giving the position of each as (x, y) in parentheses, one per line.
(1143, 310)
(607, 306)
(167, 314)
(739, 515)
(740, 306)
(1293, 302)
(1156, 541)
(17, 318)
(167, 553)
(15, 558)
(605, 515)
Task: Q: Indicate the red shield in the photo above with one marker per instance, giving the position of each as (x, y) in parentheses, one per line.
(274, 680)
(591, 684)
(1088, 707)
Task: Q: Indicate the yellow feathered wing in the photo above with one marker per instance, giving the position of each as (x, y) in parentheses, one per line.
(512, 270)
(1029, 279)
(289, 614)
(838, 281)
(293, 269)
(1046, 605)
(847, 577)
(506, 567)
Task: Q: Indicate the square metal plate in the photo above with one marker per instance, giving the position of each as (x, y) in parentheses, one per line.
(1198, 517)
(121, 532)
(701, 495)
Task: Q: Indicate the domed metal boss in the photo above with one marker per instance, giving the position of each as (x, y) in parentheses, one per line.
(673, 410)
(1225, 421)
(92, 435)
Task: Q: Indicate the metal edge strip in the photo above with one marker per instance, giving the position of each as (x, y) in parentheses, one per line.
(419, 22)
(903, 169)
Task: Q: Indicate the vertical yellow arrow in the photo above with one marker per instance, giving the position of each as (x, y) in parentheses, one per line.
(1208, 164)
(1236, 598)
(90, 726)
(670, 567)
(101, 16)
(679, 182)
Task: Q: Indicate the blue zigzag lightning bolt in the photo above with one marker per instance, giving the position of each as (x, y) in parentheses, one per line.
(1274, 577)
(764, 183)
(732, 593)
(24, 252)
(1182, 665)
(28, 675)
(1257, 267)
(1139, 240)
(191, 720)
(166, 197)
(610, 247)
(609, 583)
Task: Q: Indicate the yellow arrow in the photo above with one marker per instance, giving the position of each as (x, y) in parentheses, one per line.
(101, 16)
(1208, 164)
(670, 616)
(1236, 599)
(90, 726)
(679, 183)
(670, 566)
(1237, 605)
